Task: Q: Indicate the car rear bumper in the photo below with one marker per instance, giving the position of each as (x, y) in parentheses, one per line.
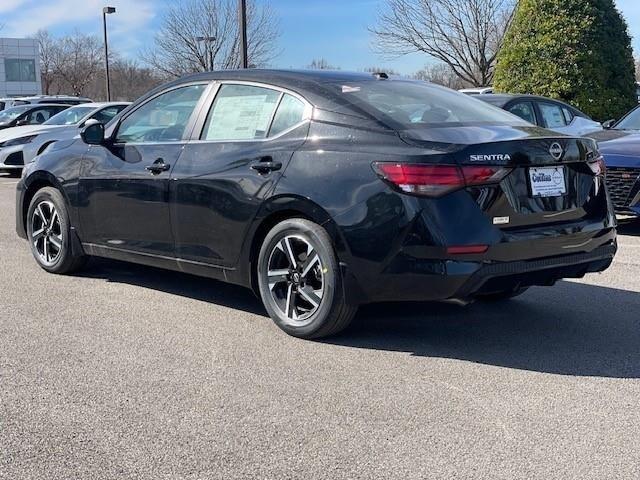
(464, 280)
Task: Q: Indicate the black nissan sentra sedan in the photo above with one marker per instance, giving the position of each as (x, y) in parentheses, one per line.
(322, 191)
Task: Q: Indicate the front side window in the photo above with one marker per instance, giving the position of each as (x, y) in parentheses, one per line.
(163, 118)
(552, 115)
(20, 70)
(568, 115)
(525, 111)
(240, 112)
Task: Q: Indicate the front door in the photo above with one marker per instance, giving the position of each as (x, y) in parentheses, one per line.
(124, 184)
(244, 144)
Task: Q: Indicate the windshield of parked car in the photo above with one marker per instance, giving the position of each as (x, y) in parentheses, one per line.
(407, 105)
(70, 116)
(630, 122)
(10, 114)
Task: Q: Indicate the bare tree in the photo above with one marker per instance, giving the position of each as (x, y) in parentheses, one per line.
(388, 71)
(47, 46)
(441, 74)
(321, 64)
(177, 50)
(466, 35)
(76, 61)
(129, 80)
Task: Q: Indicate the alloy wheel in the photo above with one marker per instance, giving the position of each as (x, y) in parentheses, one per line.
(296, 279)
(46, 232)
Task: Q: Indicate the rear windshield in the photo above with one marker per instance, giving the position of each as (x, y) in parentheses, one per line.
(407, 105)
(630, 122)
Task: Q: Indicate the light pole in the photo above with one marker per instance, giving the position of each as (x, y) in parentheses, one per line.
(106, 11)
(207, 42)
(242, 16)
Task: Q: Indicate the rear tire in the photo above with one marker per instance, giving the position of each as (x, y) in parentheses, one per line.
(300, 281)
(49, 233)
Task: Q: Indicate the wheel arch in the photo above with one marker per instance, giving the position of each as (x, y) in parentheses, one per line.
(37, 181)
(33, 183)
(272, 212)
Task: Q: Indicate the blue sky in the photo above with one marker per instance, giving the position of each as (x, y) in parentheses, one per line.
(333, 29)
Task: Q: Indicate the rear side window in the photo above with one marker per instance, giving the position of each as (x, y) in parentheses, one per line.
(552, 115)
(106, 114)
(240, 112)
(525, 111)
(290, 113)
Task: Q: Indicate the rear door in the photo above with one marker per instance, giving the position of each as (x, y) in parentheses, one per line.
(240, 148)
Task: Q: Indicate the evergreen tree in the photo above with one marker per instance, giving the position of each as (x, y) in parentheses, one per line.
(574, 50)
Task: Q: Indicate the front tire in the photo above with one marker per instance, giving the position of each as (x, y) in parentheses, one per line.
(49, 233)
(300, 281)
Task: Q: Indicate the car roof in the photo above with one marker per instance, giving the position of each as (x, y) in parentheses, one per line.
(313, 85)
(34, 106)
(504, 98)
(53, 97)
(100, 104)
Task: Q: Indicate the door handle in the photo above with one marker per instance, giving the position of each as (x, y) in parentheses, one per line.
(265, 165)
(158, 167)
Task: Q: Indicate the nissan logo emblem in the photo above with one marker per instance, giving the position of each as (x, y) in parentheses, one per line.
(556, 150)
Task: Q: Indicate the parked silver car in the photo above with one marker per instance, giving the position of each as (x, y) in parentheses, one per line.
(20, 145)
(545, 112)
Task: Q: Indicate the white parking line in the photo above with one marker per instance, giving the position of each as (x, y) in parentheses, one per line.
(9, 183)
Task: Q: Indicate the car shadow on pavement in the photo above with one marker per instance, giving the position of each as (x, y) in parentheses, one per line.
(176, 283)
(570, 329)
(629, 226)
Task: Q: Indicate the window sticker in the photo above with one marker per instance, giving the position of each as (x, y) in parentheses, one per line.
(240, 117)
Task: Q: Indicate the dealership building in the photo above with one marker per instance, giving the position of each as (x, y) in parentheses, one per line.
(19, 67)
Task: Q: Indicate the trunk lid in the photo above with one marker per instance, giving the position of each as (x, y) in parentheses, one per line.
(550, 179)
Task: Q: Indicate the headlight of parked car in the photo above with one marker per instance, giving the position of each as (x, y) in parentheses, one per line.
(17, 141)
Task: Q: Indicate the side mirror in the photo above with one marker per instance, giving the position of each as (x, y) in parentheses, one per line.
(22, 121)
(92, 133)
(608, 124)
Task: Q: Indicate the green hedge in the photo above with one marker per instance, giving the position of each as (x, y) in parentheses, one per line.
(574, 50)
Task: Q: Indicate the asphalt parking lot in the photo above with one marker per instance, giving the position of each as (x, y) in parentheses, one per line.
(131, 372)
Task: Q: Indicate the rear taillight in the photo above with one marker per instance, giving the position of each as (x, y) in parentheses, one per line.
(437, 180)
(598, 167)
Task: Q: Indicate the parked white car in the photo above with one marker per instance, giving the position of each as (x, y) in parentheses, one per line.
(36, 99)
(20, 145)
(477, 91)
(545, 112)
